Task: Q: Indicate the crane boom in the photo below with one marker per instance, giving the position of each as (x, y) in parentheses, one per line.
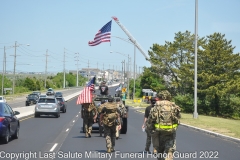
(130, 37)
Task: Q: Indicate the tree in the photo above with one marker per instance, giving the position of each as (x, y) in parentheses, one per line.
(218, 74)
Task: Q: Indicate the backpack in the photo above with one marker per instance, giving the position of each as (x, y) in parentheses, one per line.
(110, 115)
(164, 112)
(88, 110)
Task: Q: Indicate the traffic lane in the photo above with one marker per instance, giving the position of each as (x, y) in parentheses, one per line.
(21, 101)
(133, 142)
(38, 134)
(205, 146)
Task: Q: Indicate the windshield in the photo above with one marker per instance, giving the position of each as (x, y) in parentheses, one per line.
(32, 96)
(60, 99)
(49, 89)
(1, 98)
(45, 100)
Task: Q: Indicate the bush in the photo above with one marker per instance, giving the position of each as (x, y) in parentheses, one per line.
(186, 102)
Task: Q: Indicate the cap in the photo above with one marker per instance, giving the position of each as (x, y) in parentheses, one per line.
(117, 99)
(110, 99)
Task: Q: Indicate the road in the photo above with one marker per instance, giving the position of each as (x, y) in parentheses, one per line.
(61, 138)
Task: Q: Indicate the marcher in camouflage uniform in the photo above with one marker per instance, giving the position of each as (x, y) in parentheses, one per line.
(110, 123)
(123, 114)
(89, 114)
(144, 126)
(163, 126)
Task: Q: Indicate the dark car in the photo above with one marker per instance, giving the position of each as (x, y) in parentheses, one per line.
(62, 103)
(9, 123)
(36, 92)
(58, 94)
(50, 91)
(31, 99)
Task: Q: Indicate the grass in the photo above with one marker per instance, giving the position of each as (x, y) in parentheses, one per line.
(224, 126)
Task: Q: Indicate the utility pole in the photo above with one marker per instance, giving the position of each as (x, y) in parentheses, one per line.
(4, 69)
(77, 66)
(122, 70)
(14, 70)
(64, 72)
(88, 69)
(45, 83)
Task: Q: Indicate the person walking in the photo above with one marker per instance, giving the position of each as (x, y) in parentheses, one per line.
(163, 121)
(144, 126)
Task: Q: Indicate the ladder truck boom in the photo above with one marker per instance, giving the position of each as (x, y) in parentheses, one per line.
(130, 37)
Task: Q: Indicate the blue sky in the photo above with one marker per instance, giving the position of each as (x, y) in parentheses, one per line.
(58, 24)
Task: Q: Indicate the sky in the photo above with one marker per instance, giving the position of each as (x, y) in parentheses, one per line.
(66, 26)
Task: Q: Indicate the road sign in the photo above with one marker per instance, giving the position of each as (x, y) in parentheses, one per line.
(7, 89)
(123, 89)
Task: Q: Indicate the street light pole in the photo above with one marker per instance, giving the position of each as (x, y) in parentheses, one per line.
(195, 114)
(64, 76)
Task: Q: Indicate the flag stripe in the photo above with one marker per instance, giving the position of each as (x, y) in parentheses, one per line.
(103, 35)
(86, 95)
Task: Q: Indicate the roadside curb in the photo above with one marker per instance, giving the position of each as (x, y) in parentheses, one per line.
(236, 140)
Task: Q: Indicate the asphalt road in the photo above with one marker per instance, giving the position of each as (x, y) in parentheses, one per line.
(61, 138)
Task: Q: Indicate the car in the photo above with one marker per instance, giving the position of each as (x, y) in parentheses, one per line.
(63, 104)
(47, 106)
(2, 99)
(58, 94)
(31, 99)
(36, 92)
(42, 96)
(9, 123)
(50, 91)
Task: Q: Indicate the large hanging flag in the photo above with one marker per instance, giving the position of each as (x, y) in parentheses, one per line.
(86, 95)
(103, 35)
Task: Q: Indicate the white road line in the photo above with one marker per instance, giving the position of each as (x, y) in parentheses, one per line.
(76, 115)
(79, 112)
(73, 121)
(54, 146)
(67, 129)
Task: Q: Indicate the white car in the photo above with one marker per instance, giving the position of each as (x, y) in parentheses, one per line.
(2, 99)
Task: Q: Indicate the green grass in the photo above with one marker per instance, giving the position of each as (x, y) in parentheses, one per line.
(224, 126)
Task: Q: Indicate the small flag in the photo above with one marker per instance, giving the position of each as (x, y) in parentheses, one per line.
(86, 95)
(103, 35)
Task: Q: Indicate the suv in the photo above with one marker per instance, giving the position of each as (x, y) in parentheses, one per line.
(62, 103)
(31, 99)
(50, 91)
(47, 106)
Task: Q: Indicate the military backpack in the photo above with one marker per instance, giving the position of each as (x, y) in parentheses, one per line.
(110, 115)
(88, 110)
(165, 114)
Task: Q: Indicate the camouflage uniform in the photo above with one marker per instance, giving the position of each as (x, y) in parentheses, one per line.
(89, 112)
(123, 114)
(164, 142)
(110, 131)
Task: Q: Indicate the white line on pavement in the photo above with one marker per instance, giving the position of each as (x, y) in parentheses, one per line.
(73, 121)
(67, 129)
(54, 146)
(76, 115)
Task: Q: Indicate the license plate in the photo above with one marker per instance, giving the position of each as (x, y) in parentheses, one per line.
(46, 106)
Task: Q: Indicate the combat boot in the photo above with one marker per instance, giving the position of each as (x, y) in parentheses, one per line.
(89, 133)
(112, 149)
(154, 151)
(108, 150)
(147, 149)
(86, 135)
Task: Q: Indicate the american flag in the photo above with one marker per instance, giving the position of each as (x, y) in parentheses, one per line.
(103, 35)
(86, 95)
